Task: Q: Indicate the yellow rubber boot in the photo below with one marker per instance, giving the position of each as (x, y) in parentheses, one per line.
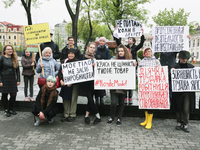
(149, 123)
(146, 119)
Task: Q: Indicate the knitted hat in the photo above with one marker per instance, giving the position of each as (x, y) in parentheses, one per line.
(71, 50)
(102, 38)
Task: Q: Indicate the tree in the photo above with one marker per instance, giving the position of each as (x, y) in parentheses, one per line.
(112, 10)
(74, 17)
(27, 6)
(58, 40)
(171, 18)
(140, 54)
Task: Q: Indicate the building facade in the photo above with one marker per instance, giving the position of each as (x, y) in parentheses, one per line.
(194, 46)
(11, 34)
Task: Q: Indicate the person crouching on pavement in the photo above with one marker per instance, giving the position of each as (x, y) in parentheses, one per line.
(183, 102)
(149, 60)
(46, 102)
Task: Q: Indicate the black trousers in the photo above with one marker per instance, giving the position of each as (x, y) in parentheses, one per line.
(29, 79)
(8, 104)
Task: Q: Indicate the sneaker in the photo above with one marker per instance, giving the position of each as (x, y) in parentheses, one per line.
(32, 99)
(125, 101)
(64, 119)
(26, 99)
(130, 101)
(12, 112)
(96, 121)
(110, 121)
(179, 126)
(118, 123)
(38, 122)
(7, 113)
(186, 128)
(87, 120)
(50, 121)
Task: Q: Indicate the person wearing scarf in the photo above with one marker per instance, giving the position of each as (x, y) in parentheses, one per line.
(51, 67)
(46, 102)
(149, 60)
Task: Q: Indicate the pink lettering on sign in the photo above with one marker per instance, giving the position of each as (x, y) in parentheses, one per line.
(153, 88)
(113, 83)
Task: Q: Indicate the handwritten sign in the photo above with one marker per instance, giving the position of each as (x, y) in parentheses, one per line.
(32, 48)
(185, 79)
(128, 28)
(114, 74)
(170, 38)
(76, 72)
(37, 33)
(153, 88)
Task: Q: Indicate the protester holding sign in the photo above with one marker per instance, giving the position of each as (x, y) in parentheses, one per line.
(64, 53)
(133, 50)
(46, 102)
(183, 102)
(9, 79)
(87, 88)
(102, 53)
(28, 72)
(148, 61)
(54, 47)
(69, 92)
(51, 67)
(118, 96)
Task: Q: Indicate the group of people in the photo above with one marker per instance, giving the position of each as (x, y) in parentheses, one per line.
(45, 104)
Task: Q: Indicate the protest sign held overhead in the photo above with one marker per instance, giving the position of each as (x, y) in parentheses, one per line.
(114, 74)
(128, 28)
(37, 33)
(153, 88)
(170, 38)
(185, 80)
(76, 72)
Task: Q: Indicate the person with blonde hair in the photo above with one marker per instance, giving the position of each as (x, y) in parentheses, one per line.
(9, 78)
(51, 67)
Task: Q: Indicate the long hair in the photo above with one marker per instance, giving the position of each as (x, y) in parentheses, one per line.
(91, 43)
(13, 56)
(127, 55)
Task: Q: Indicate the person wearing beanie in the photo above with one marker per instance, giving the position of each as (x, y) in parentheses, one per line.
(69, 92)
(133, 48)
(46, 102)
(183, 102)
(102, 52)
(149, 60)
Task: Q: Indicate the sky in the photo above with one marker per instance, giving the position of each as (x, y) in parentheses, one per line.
(55, 11)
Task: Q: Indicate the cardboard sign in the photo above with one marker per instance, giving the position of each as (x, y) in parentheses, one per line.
(37, 33)
(170, 38)
(32, 48)
(114, 74)
(153, 88)
(76, 72)
(128, 28)
(185, 80)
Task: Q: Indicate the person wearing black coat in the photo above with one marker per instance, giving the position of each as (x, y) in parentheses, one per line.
(183, 102)
(53, 46)
(64, 53)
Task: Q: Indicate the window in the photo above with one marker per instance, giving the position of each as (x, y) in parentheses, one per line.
(0, 30)
(15, 30)
(3, 37)
(15, 43)
(9, 42)
(197, 55)
(198, 43)
(0, 36)
(189, 43)
(9, 30)
(15, 37)
(193, 43)
(9, 37)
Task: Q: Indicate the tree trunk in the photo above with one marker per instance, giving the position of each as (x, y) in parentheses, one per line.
(27, 8)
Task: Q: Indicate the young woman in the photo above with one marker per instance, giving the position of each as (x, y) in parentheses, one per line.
(9, 79)
(51, 67)
(88, 88)
(28, 63)
(46, 102)
(118, 96)
(67, 91)
(149, 60)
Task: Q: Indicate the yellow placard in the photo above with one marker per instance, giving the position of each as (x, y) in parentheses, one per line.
(37, 33)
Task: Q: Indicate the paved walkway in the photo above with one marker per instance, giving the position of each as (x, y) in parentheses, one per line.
(18, 132)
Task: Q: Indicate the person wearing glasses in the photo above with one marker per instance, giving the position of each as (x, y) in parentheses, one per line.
(9, 79)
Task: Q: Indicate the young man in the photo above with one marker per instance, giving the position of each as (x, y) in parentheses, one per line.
(183, 102)
(54, 47)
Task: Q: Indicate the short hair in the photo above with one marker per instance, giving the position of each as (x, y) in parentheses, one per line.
(70, 37)
(132, 39)
(45, 50)
(51, 78)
